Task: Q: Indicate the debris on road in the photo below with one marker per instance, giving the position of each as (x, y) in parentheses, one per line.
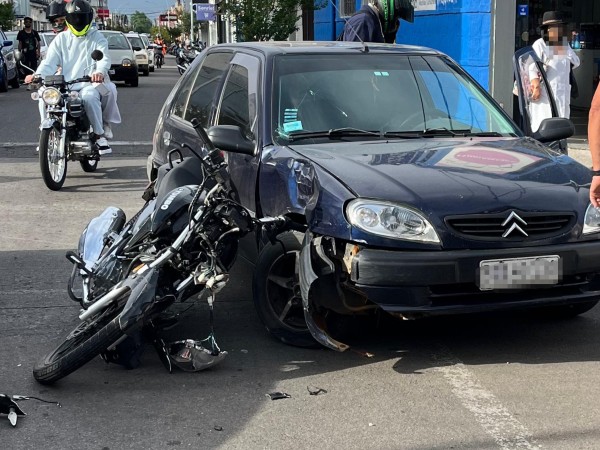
(278, 395)
(313, 390)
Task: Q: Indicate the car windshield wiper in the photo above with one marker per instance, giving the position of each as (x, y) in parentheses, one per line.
(334, 133)
(435, 132)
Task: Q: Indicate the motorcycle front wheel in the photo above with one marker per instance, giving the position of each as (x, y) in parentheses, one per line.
(52, 164)
(81, 345)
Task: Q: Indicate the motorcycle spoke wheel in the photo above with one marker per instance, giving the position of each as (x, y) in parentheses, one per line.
(53, 159)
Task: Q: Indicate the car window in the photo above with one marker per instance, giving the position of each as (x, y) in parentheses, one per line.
(117, 41)
(136, 41)
(205, 86)
(379, 93)
(234, 107)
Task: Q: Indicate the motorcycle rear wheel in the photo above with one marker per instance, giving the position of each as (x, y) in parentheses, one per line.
(52, 165)
(89, 165)
(80, 346)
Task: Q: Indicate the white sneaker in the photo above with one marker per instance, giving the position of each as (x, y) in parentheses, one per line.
(108, 134)
(103, 147)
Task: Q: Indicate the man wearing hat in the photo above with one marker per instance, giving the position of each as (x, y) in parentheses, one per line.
(556, 55)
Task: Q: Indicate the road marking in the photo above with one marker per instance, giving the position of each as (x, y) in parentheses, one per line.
(507, 431)
(112, 143)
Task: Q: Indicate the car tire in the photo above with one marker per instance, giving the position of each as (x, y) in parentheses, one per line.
(568, 311)
(151, 69)
(134, 82)
(146, 72)
(14, 83)
(4, 81)
(276, 291)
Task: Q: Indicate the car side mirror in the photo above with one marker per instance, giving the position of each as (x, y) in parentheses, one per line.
(554, 129)
(7, 43)
(136, 48)
(150, 47)
(231, 139)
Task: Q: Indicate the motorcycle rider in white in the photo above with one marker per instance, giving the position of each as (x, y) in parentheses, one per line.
(71, 52)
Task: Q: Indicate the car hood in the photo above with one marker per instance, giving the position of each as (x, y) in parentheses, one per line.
(456, 176)
(117, 55)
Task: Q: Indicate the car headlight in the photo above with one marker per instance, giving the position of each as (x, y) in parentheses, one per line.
(126, 62)
(390, 220)
(591, 223)
(51, 96)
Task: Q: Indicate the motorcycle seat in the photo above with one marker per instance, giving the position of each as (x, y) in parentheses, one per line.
(186, 172)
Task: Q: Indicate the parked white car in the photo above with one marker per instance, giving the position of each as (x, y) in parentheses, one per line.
(46, 39)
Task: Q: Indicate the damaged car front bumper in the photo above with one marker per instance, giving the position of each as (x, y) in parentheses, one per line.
(347, 278)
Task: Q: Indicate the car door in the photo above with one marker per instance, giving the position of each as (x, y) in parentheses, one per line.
(194, 97)
(526, 64)
(239, 105)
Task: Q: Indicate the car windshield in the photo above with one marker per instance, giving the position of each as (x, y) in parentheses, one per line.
(117, 41)
(374, 96)
(12, 36)
(136, 41)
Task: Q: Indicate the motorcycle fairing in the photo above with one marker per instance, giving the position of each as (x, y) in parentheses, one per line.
(142, 296)
(92, 240)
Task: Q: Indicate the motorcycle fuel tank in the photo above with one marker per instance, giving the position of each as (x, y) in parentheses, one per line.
(170, 210)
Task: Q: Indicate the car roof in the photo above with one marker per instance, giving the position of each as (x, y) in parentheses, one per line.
(324, 47)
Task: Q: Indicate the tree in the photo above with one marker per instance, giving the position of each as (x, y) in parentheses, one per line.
(263, 20)
(7, 15)
(140, 22)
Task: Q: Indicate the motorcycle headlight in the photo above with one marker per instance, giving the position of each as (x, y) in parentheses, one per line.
(390, 220)
(51, 96)
(591, 222)
(126, 62)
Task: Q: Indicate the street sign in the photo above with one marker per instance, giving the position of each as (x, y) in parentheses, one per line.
(103, 13)
(523, 10)
(205, 11)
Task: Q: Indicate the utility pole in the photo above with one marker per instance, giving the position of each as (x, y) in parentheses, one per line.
(191, 20)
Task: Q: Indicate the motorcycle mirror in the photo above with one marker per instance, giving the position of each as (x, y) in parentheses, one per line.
(97, 55)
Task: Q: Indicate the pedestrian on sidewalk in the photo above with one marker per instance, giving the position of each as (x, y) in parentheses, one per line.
(29, 44)
(594, 141)
(378, 21)
(559, 59)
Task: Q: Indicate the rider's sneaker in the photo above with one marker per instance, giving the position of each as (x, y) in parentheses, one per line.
(108, 134)
(103, 147)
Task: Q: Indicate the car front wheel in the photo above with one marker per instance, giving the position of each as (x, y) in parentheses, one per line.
(4, 80)
(276, 291)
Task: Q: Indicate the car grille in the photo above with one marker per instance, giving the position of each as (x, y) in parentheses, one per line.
(511, 225)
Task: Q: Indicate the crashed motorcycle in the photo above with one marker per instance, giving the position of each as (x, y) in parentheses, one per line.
(184, 59)
(178, 247)
(65, 132)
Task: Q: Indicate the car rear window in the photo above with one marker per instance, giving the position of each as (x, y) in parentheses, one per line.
(117, 41)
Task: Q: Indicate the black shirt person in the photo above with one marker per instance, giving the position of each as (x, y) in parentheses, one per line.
(29, 44)
(378, 21)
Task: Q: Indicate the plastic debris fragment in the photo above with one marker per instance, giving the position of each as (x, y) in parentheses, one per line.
(278, 395)
(313, 390)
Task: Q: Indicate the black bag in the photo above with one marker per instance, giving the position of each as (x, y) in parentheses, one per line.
(573, 83)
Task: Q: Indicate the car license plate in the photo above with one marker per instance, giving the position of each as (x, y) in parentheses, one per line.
(518, 273)
(111, 71)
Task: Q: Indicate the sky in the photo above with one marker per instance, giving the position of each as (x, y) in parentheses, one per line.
(152, 8)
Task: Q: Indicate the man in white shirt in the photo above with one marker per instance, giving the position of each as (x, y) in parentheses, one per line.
(71, 51)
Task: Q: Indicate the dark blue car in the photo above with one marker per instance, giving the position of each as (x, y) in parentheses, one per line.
(9, 74)
(417, 194)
